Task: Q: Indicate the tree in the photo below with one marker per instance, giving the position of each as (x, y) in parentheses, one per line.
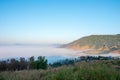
(41, 63)
(32, 62)
(23, 63)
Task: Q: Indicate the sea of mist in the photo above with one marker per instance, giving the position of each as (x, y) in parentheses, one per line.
(51, 52)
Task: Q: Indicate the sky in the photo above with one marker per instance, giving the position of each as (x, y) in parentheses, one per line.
(57, 21)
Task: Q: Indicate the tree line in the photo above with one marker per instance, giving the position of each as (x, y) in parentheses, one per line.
(82, 58)
(41, 63)
(23, 64)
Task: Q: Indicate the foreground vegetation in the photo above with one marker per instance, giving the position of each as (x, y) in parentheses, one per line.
(92, 70)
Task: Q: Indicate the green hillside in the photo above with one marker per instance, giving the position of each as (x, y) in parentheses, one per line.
(97, 42)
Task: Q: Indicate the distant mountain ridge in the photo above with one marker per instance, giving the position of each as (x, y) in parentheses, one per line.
(25, 44)
(97, 44)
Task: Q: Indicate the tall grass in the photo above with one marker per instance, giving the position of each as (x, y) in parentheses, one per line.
(95, 70)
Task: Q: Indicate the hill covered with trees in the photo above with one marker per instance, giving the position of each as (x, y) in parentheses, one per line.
(97, 44)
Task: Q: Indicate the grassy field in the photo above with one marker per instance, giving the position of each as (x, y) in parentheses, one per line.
(93, 70)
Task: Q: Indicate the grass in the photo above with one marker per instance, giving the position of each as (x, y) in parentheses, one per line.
(94, 70)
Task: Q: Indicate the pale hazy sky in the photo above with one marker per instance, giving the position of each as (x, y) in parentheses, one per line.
(41, 21)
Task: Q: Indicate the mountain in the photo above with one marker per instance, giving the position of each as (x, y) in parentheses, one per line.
(96, 44)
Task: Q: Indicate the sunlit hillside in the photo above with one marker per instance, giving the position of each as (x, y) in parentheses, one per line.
(97, 43)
